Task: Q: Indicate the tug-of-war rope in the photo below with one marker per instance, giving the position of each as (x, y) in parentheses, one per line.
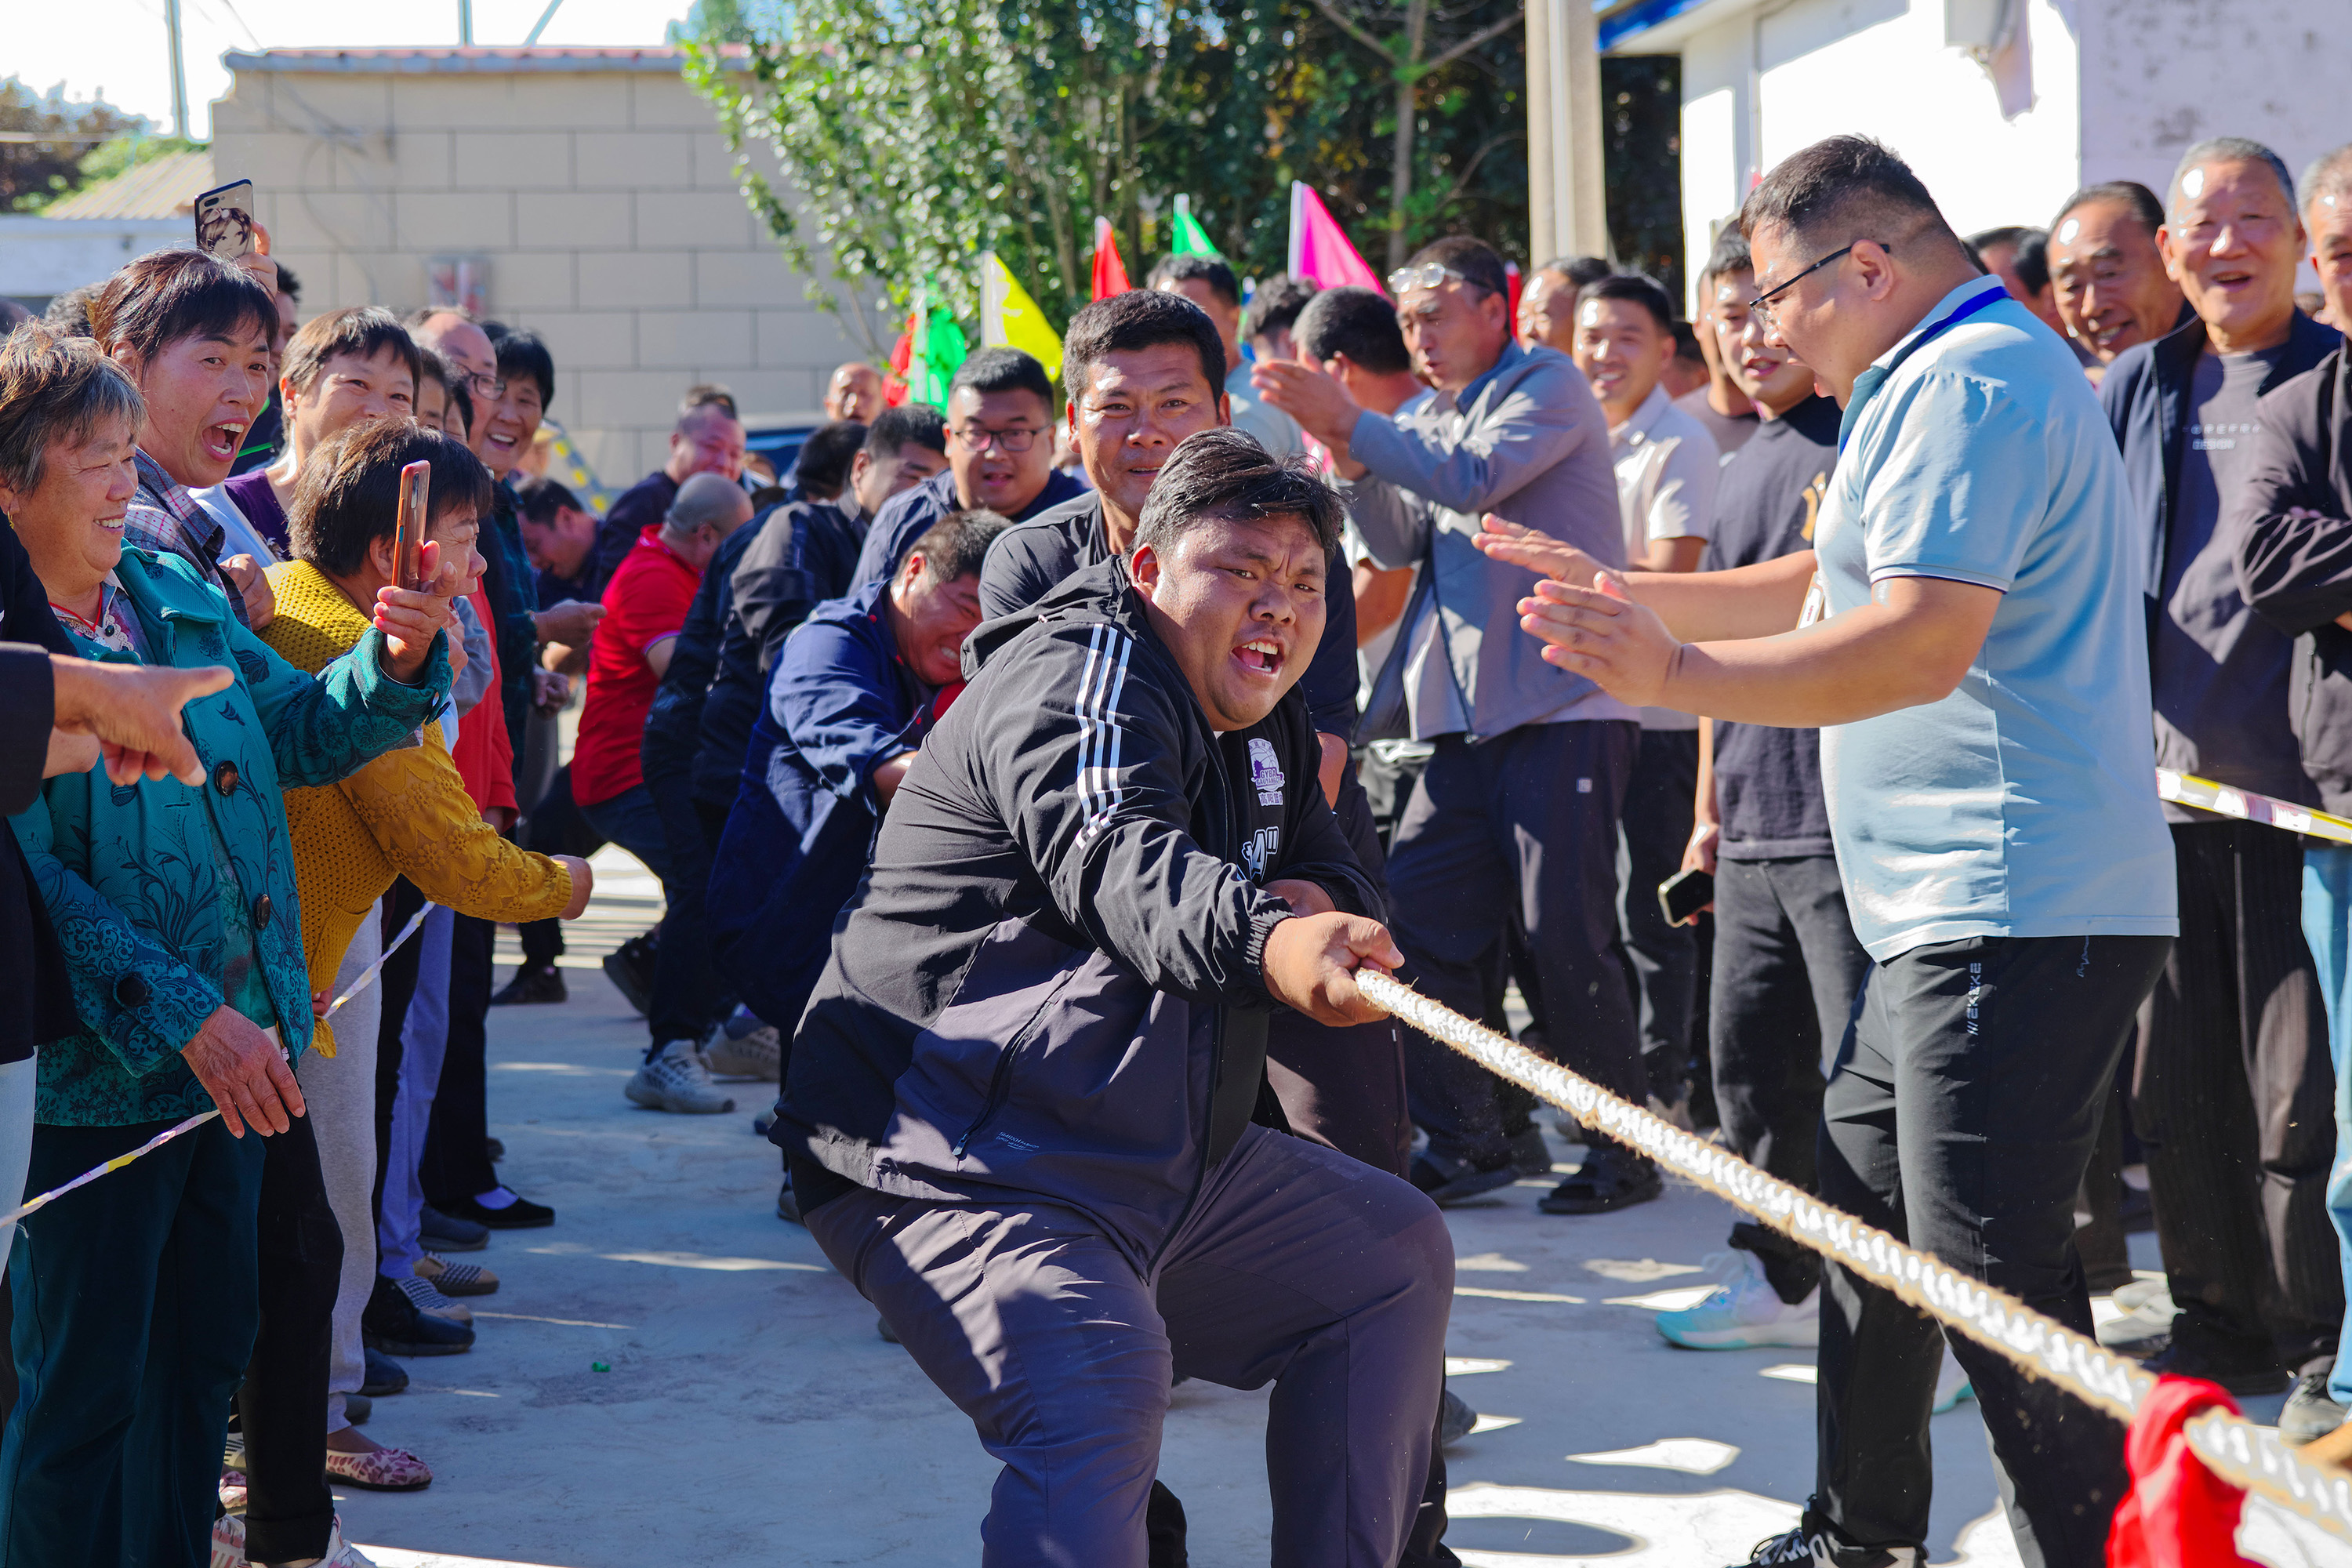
(2247, 1455)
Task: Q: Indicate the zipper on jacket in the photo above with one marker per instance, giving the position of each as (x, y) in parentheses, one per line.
(1000, 1085)
(1216, 1031)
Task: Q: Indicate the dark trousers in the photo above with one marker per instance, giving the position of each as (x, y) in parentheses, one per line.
(136, 1305)
(457, 1162)
(398, 984)
(1295, 1265)
(2235, 1100)
(1787, 971)
(1653, 828)
(1515, 836)
(687, 996)
(554, 826)
(282, 1405)
(1967, 1098)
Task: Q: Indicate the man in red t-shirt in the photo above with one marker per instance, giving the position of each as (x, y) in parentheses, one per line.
(644, 608)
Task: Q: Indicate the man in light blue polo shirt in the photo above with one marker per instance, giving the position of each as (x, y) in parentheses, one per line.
(1970, 643)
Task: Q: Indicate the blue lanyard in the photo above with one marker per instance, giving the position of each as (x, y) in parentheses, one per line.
(1867, 385)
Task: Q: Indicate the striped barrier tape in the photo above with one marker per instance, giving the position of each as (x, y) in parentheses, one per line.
(2248, 805)
(366, 978)
(2247, 1455)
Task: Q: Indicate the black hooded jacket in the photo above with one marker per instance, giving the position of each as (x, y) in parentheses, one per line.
(1050, 982)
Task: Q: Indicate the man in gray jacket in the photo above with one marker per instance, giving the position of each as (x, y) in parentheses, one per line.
(1513, 827)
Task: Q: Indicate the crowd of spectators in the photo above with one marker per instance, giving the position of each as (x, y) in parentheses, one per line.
(1203, 677)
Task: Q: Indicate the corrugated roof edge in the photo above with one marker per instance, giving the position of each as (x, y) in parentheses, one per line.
(430, 62)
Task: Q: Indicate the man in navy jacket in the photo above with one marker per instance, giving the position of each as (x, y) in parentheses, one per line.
(1020, 1109)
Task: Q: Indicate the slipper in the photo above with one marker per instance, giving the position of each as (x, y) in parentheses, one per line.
(1602, 1185)
(384, 1470)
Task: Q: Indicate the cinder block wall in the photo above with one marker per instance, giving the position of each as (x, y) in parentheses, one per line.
(601, 198)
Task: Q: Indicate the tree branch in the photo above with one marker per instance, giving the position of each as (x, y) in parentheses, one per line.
(1491, 30)
(1355, 30)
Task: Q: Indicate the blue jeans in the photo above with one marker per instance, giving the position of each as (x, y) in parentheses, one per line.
(2327, 926)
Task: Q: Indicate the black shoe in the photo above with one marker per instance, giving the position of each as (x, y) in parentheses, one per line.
(1454, 1419)
(2310, 1414)
(384, 1376)
(1610, 1179)
(357, 1408)
(1814, 1545)
(1449, 1182)
(788, 1207)
(533, 983)
(1531, 1155)
(442, 1233)
(2245, 1372)
(391, 1323)
(520, 1214)
(630, 968)
(495, 1148)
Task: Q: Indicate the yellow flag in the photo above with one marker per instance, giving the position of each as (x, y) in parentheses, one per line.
(1010, 319)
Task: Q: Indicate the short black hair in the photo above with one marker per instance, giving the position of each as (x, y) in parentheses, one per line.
(1223, 475)
(287, 284)
(2009, 234)
(539, 499)
(1730, 255)
(1275, 305)
(826, 454)
(1206, 268)
(1357, 323)
(1646, 292)
(1579, 270)
(1004, 369)
(2144, 204)
(710, 394)
(2032, 260)
(521, 352)
(362, 331)
(954, 546)
(1474, 259)
(909, 424)
(1140, 318)
(348, 496)
(1843, 189)
(171, 296)
(1687, 344)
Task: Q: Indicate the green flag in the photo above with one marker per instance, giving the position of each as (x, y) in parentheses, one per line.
(1189, 237)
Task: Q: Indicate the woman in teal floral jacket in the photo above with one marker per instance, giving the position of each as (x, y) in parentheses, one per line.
(136, 1304)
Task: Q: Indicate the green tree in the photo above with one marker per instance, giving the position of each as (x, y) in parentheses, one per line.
(912, 134)
(57, 160)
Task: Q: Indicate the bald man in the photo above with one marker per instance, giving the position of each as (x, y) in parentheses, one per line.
(855, 392)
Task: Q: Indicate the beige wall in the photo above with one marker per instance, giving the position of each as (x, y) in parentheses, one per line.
(604, 200)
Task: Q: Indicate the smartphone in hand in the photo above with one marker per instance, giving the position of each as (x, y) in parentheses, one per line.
(408, 527)
(225, 220)
(1684, 894)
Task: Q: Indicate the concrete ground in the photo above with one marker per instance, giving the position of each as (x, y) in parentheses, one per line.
(670, 1374)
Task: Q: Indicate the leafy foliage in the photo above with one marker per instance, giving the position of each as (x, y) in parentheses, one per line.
(912, 134)
(34, 173)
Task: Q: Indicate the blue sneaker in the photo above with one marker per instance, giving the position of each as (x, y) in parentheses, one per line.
(1743, 1311)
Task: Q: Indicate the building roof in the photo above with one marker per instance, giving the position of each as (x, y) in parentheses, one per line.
(437, 61)
(163, 187)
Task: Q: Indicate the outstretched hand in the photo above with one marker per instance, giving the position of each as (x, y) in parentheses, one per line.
(1311, 960)
(1601, 634)
(134, 712)
(1537, 551)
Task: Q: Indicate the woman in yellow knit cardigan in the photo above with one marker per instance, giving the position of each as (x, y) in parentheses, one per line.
(406, 813)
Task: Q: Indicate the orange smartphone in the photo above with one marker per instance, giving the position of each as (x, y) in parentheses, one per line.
(408, 527)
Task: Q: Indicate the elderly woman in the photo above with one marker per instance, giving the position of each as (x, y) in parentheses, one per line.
(137, 1297)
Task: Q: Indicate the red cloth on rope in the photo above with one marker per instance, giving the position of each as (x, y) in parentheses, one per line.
(2178, 1515)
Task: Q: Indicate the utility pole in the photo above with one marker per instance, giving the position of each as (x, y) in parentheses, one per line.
(466, 23)
(1568, 211)
(179, 69)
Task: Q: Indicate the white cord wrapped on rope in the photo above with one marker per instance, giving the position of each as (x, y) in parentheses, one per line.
(2248, 1455)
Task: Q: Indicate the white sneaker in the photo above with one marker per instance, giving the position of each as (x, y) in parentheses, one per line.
(677, 1079)
(341, 1554)
(1952, 1384)
(759, 1054)
(428, 1299)
(1743, 1311)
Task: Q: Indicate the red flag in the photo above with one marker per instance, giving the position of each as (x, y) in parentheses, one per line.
(902, 357)
(1110, 274)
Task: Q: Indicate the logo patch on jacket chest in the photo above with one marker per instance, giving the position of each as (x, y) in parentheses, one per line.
(1266, 771)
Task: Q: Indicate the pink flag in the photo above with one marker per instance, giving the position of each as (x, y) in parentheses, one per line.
(1319, 251)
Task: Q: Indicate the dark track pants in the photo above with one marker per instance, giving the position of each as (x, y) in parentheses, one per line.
(457, 1161)
(2233, 1098)
(1787, 971)
(1297, 1266)
(136, 1306)
(1968, 1095)
(687, 995)
(1653, 828)
(1515, 836)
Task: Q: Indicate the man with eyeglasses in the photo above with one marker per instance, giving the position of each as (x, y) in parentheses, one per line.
(1976, 663)
(2232, 1090)
(1000, 458)
(1511, 832)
